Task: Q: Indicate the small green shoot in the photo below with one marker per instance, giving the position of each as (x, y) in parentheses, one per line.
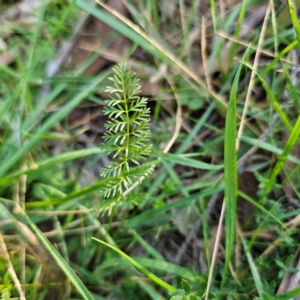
(127, 137)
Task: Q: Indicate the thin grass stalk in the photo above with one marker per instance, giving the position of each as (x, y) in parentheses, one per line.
(77, 283)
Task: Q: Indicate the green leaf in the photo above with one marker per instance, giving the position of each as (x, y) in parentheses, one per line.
(266, 296)
(288, 295)
(178, 297)
(186, 286)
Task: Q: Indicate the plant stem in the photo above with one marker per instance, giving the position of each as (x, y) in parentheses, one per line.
(127, 123)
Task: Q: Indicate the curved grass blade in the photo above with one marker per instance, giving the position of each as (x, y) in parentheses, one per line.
(281, 54)
(268, 147)
(150, 290)
(157, 280)
(53, 119)
(294, 18)
(77, 283)
(254, 271)
(166, 266)
(148, 43)
(283, 117)
(281, 160)
(254, 203)
(82, 192)
(50, 162)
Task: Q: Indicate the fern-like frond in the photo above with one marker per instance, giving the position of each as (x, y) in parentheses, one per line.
(115, 204)
(127, 136)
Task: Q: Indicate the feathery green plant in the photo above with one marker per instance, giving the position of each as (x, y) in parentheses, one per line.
(127, 137)
(5, 291)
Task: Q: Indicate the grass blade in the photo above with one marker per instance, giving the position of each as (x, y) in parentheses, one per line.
(289, 295)
(48, 162)
(63, 112)
(294, 18)
(254, 271)
(254, 203)
(237, 31)
(185, 161)
(157, 280)
(230, 172)
(149, 44)
(283, 117)
(281, 160)
(268, 147)
(278, 57)
(78, 284)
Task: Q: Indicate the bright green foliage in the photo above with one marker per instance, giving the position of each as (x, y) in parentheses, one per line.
(128, 134)
(5, 292)
(185, 293)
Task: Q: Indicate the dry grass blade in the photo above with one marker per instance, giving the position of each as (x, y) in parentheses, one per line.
(252, 78)
(11, 269)
(291, 279)
(203, 52)
(215, 252)
(159, 47)
(246, 45)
